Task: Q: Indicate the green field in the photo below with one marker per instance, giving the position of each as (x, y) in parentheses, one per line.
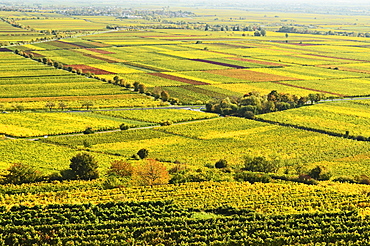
(339, 117)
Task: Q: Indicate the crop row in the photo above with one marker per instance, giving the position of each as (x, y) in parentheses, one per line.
(162, 222)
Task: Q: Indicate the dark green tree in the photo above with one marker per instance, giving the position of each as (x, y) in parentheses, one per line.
(84, 166)
(136, 86)
(143, 153)
(222, 163)
(261, 164)
(124, 126)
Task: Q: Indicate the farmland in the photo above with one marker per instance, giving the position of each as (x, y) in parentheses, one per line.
(126, 88)
(332, 117)
(204, 58)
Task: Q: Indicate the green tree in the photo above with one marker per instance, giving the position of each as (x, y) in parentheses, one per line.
(261, 164)
(84, 166)
(124, 126)
(88, 130)
(222, 163)
(319, 173)
(136, 86)
(143, 153)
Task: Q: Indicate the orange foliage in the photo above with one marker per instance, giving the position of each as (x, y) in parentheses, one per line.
(152, 172)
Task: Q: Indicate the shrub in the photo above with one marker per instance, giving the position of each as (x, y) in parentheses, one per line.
(221, 163)
(344, 179)
(20, 173)
(88, 130)
(124, 126)
(261, 164)
(363, 179)
(320, 173)
(143, 153)
(252, 177)
(166, 123)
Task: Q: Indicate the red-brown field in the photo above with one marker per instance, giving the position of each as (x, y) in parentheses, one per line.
(88, 69)
(250, 75)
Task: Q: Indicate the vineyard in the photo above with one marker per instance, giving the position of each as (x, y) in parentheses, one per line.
(351, 116)
(121, 93)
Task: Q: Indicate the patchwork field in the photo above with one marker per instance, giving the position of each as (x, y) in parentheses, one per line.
(27, 83)
(171, 176)
(201, 60)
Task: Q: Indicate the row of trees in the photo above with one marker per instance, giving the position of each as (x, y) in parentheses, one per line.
(254, 103)
(146, 172)
(293, 29)
(83, 166)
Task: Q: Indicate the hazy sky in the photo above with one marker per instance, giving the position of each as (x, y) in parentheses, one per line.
(219, 3)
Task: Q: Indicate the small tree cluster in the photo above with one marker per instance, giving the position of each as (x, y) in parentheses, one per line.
(253, 103)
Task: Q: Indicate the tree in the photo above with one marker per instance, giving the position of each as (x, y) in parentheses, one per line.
(20, 173)
(124, 126)
(222, 163)
(50, 105)
(84, 166)
(165, 96)
(87, 105)
(136, 86)
(319, 173)
(143, 153)
(121, 168)
(263, 32)
(62, 105)
(88, 130)
(261, 164)
(18, 107)
(286, 35)
(151, 173)
(142, 88)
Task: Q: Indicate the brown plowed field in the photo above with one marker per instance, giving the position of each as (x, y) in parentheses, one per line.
(88, 69)
(249, 75)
